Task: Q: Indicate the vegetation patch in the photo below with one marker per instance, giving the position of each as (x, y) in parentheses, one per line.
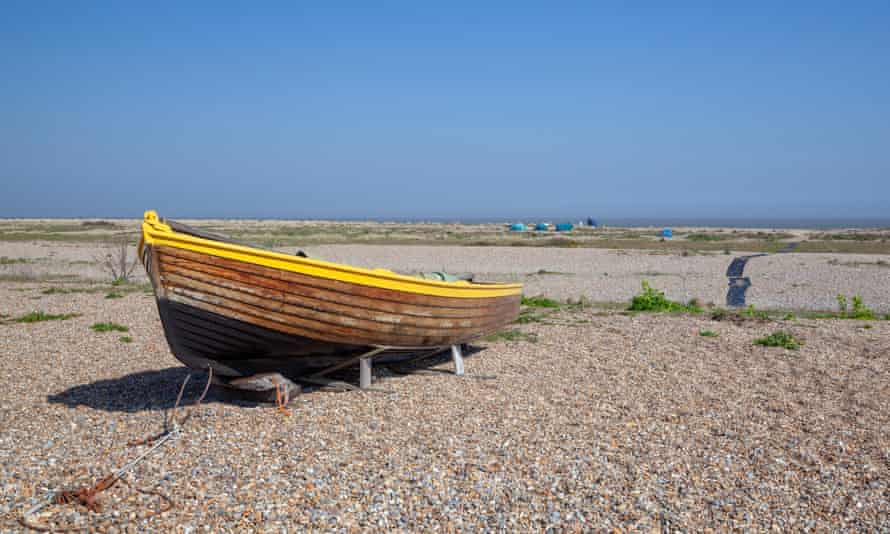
(39, 316)
(98, 224)
(858, 311)
(4, 260)
(850, 236)
(708, 237)
(750, 311)
(125, 339)
(113, 295)
(779, 339)
(653, 300)
(512, 335)
(539, 301)
(109, 327)
(708, 333)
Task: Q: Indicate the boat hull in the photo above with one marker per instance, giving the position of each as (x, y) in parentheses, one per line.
(243, 318)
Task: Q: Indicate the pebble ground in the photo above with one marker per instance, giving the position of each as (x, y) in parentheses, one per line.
(607, 422)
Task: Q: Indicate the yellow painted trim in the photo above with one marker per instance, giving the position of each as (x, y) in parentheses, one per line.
(155, 232)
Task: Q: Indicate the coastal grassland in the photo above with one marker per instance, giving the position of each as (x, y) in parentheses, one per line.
(294, 233)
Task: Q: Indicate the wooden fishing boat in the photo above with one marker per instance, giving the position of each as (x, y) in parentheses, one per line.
(244, 310)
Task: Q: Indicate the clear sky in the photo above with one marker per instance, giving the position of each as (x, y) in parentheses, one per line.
(445, 109)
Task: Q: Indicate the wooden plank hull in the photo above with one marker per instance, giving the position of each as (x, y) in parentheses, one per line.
(244, 318)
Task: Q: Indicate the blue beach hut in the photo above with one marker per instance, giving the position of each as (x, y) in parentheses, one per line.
(541, 227)
(667, 233)
(564, 227)
(517, 227)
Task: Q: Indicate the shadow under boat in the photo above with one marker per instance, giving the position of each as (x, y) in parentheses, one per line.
(157, 389)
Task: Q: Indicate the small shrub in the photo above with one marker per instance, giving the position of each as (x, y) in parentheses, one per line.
(750, 311)
(779, 339)
(651, 299)
(708, 333)
(788, 317)
(113, 295)
(117, 262)
(842, 304)
(860, 311)
(109, 327)
(125, 339)
(39, 316)
(539, 302)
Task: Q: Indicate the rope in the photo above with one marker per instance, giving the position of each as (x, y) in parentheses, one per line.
(87, 496)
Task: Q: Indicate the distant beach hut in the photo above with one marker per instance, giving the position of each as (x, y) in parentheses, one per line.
(564, 227)
(541, 227)
(667, 233)
(591, 221)
(517, 227)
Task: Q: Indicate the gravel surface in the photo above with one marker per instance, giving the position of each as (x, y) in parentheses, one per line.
(779, 281)
(784, 281)
(606, 422)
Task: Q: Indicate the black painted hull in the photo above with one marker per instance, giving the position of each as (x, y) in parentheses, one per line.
(200, 338)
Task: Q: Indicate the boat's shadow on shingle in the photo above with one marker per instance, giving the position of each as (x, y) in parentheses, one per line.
(136, 392)
(157, 389)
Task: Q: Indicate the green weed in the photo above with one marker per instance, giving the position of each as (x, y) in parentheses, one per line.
(779, 339)
(113, 295)
(708, 333)
(539, 302)
(842, 303)
(750, 311)
(859, 311)
(651, 299)
(12, 261)
(39, 316)
(529, 316)
(125, 339)
(109, 327)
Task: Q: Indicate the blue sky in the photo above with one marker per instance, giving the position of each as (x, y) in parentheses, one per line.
(450, 109)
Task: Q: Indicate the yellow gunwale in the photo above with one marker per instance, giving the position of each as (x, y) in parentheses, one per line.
(156, 233)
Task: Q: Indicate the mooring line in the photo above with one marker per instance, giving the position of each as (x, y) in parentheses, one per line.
(86, 495)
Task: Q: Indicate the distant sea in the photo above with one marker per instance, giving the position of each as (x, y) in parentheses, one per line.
(621, 222)
(802, 223)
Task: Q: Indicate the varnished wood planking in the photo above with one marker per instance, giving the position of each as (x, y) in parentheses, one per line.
(336, 285)
(296, 313)
(274, 288)
(322, 310)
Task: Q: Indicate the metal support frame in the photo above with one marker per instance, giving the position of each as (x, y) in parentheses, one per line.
(366, 360)
(365, 375)
(458, 358)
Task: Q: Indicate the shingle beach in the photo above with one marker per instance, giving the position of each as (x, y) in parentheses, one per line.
(592, 420)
